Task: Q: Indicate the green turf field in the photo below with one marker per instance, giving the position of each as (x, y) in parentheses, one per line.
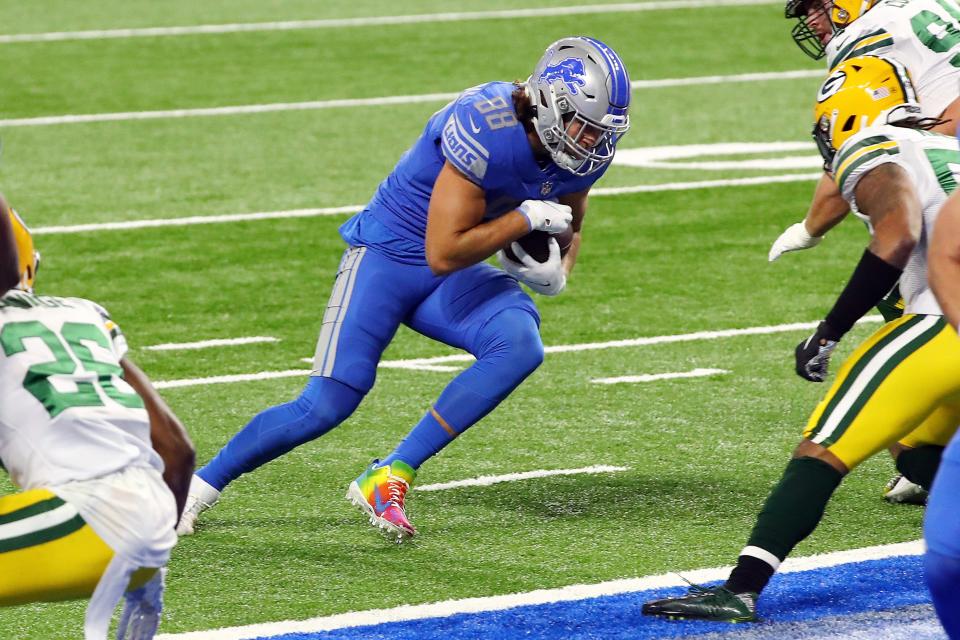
(283, 543)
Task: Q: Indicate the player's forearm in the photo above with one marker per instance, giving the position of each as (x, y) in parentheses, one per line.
(570, 258)
(578, 207)
(894, 210)
(167, 435)
(458, 250)
(9, 262)
(945, 260)
(172, 444)
(827, 209)
(179, 459)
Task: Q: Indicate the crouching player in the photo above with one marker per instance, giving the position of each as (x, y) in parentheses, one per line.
(942, 523)
(498, 162)
(87, 439)
(902, 381)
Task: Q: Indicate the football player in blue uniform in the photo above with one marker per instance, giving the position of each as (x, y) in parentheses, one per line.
(941, 527)
(503, 159)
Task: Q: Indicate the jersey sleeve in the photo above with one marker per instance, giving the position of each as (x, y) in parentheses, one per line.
(480, 134)
(117, 339)
(862, 153)
(461, 142)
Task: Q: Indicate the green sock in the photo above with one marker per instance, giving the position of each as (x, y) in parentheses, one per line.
(920, 465)
(795, 506)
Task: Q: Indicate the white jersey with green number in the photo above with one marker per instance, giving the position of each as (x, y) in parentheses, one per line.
(66, 414)
(922, 35)
(932, 161)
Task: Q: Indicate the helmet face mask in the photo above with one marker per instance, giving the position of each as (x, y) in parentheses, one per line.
(807, 13)
(832, 16)
(27, 255)
(861, 92)
(581, 91)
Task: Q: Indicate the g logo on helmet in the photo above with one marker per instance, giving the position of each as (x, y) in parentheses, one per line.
(831, 85)
(570, 70)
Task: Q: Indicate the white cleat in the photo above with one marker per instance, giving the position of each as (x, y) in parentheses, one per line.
(901, 491)
(201, 497)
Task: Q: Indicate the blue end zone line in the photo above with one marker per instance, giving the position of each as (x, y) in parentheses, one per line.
(845, 583)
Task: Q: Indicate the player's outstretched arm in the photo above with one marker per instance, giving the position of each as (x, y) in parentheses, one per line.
(826, 211)
(827, 208)
(9, 263)
(945, 259)
(887, 195)
(169, 438)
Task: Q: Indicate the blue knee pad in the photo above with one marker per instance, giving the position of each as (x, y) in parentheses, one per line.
(322, 405)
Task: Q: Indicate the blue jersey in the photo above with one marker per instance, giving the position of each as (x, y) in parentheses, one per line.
(478, 133)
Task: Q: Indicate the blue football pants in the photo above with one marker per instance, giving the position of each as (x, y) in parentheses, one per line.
(479, 309)
(941, 530)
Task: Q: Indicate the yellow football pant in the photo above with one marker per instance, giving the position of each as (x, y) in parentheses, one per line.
(901, 384)
(47, 551)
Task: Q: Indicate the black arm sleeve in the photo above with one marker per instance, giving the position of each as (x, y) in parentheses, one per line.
(871, 280)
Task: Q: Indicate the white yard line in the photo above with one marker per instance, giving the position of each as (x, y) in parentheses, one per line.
(372, 21)
(367, 102)
(243, 377)
(666, 157)
(652, 377)
(427, 363)
(415, 363)
(194, 220)
(641, 156)
(209, 344)
(390, 364)
(486, 481)
(706, 184)
(353, 208)
(540, 596)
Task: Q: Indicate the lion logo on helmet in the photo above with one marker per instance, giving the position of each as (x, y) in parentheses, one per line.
(570, 70)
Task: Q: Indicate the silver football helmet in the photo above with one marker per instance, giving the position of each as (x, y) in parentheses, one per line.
(581, 90)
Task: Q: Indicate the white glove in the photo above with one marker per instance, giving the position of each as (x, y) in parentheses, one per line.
(547, 278)
(545, 215)
(142, 609)
(794, 238)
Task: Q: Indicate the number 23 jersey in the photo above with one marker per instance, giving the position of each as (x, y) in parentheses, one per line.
(65, 411)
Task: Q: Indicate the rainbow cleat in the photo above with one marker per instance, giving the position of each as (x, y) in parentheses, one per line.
(380, 491)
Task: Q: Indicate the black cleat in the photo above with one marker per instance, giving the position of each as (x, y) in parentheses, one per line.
(701, 603)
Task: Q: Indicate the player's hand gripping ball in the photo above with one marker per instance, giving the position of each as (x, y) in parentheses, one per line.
(536, 244)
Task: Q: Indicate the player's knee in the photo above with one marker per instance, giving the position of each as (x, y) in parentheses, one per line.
(529, 351)
(515, 340)
(325, 402)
